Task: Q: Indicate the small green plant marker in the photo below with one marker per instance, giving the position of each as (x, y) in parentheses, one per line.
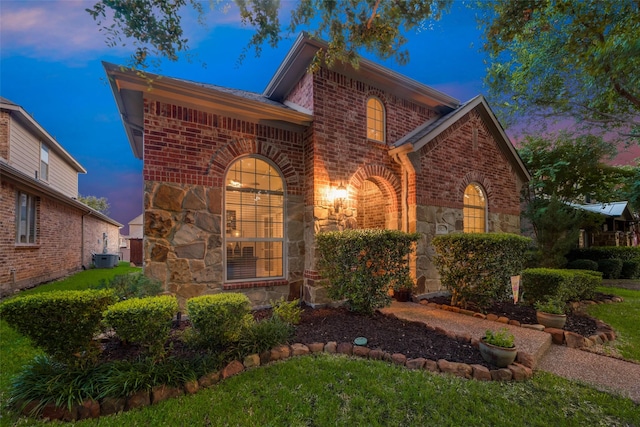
(360, 341)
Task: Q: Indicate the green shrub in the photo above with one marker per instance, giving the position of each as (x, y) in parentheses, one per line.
(540, 284)
(610, 268)
(606, 252)
(630, 269)
(62, 323)
(362, 265)
(551, 306)
(262, 336)
(501, 338)
(134, 285)
(218, 319)
(146, 321)
(583, 264)
(477, 267)
(288, 311)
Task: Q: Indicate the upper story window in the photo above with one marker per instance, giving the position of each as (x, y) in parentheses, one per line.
(475, 209)
(254, 217)
(375, 120)
(44, 162)
(25, 218)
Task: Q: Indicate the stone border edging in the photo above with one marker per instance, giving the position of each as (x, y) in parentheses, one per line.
(604, 332)
(111, 405)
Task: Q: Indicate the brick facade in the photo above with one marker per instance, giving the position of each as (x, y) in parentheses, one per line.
(58, 247)
(415, 186)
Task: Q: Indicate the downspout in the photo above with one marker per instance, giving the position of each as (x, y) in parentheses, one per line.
(82, 242)
(400, 156)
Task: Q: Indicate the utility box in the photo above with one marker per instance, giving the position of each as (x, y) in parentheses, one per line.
(105, 260)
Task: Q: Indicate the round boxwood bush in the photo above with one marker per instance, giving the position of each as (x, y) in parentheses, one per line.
(218, 319)
(610, 268)
(630, 269)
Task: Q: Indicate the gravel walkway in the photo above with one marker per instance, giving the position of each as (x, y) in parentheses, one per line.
(602, 372)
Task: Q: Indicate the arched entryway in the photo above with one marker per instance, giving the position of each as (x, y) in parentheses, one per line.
(377, 198)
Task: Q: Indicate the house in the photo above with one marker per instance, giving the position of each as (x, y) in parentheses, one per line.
(237, 184)
(131, 246)
(45, 232)
(619, 228)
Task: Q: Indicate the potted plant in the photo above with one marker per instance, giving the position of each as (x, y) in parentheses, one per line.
(551, 313)
(403, 289)
(498, 348)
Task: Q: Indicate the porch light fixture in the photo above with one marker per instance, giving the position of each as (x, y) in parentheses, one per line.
(339, 197)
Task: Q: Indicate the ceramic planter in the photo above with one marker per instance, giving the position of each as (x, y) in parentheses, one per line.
(550, 320)
(498, 356)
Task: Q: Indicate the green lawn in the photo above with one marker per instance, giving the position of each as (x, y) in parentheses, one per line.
(336, 390)
(624, 318)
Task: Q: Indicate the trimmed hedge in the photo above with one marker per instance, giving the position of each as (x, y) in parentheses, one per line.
(610, 268)
(477, 267)
(630, 269)
(62, 323)
(624, 253)
(583, 264)
(218, 319)
(146, 321)
(540, 284)
(362, 265)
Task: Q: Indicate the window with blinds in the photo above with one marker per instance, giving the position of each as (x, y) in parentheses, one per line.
(474, 210)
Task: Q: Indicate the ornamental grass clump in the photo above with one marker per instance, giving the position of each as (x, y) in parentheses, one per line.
(62, 323)
(144, 321)
(360, 266)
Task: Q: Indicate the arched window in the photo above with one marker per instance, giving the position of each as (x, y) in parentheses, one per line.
(475, 209)
(375, 120)
(254, 218)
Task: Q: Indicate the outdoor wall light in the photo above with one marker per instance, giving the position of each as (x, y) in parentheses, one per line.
(339, 197)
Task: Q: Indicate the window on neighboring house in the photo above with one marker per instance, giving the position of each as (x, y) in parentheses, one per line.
(375, 120)
(254, 218)
(44, 162)
(475, 209)
(25, 218)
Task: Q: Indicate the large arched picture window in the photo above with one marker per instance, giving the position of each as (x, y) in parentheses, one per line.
(375, 120)
(254, 218)
(475, 209)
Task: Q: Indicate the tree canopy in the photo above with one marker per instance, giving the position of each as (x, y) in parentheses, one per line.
(155, 28)
(101, 204)
(565, 59)
(569, 169)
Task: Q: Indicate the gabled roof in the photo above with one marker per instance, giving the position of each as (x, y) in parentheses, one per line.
(30, 123)
(612, 209)
(33, 185)
(301, 54)
(130, 86)
(431, 129)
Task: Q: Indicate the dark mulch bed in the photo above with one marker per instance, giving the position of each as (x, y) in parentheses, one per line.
(579, 323)
(386, 333)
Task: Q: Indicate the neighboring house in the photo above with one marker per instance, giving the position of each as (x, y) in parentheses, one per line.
(237, 184)
(132, 248)
(620, 226)
(45, 232)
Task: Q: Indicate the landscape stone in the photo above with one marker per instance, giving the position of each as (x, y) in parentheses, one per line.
(398, 358)
(492, 317)
(517, 372)
(345, 348)
(481, 373)
(191, 387)
(251, 361)
(330, 347)
(502, 374)
(361, 351)
(88, 409)
(376, 354)
(112, 405)
(525, 359)
(431, 365)
(458, 369)
(503, 319)
(514, 322)
(528, 372)
(417, 363)
(138, 399)
(209, 379)
(557, 335)
(316, 347)
(596, 339)
(479, 315)
(535, 327)
(573, 340)
(299, 349)
(233, 368)
(164, 392)
(52, 412)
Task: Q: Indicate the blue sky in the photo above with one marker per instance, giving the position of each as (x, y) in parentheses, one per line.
(50, 64)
